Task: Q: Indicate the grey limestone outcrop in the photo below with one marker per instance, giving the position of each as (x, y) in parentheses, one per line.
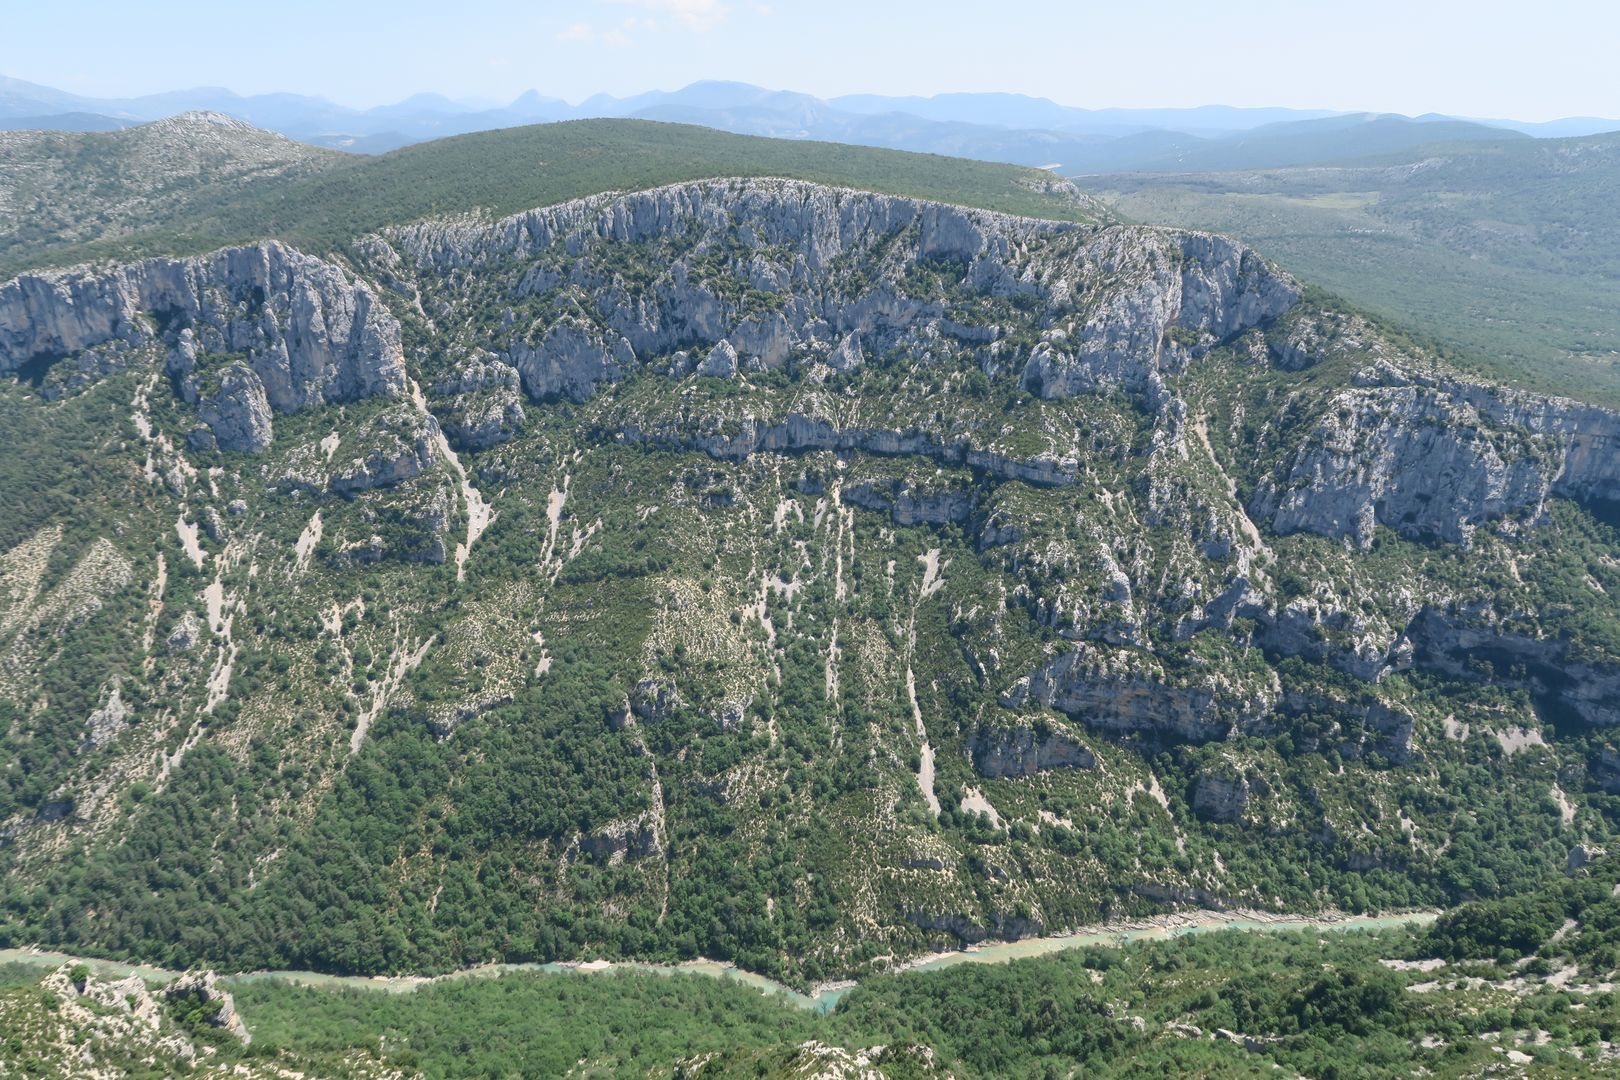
(1438, 458)
(399, 444)
(1121, 304)
(237, 417)
(1020, 750)
(202, 987)
(482, 404)
(1220, 797)
(302, 328)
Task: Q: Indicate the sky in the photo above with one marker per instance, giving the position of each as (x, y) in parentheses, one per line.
(1489, 58)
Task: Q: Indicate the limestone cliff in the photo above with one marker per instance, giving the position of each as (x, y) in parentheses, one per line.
(308, 333)
(826, 273)
(1436, 456)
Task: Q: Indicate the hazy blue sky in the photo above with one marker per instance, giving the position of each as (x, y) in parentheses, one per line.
(1528, 61)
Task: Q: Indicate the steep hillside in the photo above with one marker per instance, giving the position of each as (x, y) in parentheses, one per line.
(332, 198)
(60, 189)
(773, 572)
(1509, 253)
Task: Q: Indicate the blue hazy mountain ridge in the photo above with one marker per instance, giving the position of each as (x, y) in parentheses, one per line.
(1020, 110)
(1012, 128)
(1301, 142)
(68, 121)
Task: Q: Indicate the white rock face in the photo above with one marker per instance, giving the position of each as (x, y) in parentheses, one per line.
(1123, 303)
(1438, 458)
(848, 356)
(237, 418)
(721, 363)
(570, 359)
(311, 334)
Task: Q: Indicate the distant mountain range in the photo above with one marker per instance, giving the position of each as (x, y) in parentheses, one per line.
(1011, 128)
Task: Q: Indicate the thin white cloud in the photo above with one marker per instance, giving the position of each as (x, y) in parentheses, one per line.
(586, 34)
(695, 15)
(690, 14)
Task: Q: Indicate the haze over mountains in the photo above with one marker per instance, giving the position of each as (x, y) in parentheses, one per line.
(1000, 127)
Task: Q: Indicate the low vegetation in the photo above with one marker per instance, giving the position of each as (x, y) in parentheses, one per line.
(321, 200)
(1490, 988)
(1503, 252)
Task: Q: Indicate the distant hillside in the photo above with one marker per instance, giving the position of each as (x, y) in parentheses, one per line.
(62, 188)
(1010, 128)
(329, 199)
(1509, 251)
(1298, 142)
(66, 121)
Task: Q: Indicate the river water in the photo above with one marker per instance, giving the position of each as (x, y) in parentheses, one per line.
(824, 999)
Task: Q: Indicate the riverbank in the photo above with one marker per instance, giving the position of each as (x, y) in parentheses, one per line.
(822, 998)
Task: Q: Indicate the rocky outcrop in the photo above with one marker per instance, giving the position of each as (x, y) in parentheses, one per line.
(910, 505)
(103, 725)
(200, 992)
(311, 335)
(185, 635)
(1606, 770)
(1353, 728)
(1321, 629)
(1163, 892)
(1019, 750)
(798, 433)
(971, 931)
(479, 405)
(848, 355)
(1430, 457)
(1124, 691)
(128, 995)
(1155, 315)
(654, 700)
(622, 841)
(399, 444)
(827, 270)
(569, 359)
(237, 416)
(445, 719)
(721, 363)
(181, 365)
(1220, 797)
(1454, 642)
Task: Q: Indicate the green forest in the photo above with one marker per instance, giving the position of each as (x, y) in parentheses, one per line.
(1490, 983)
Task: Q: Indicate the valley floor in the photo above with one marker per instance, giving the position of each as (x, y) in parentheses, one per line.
(822, 997)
